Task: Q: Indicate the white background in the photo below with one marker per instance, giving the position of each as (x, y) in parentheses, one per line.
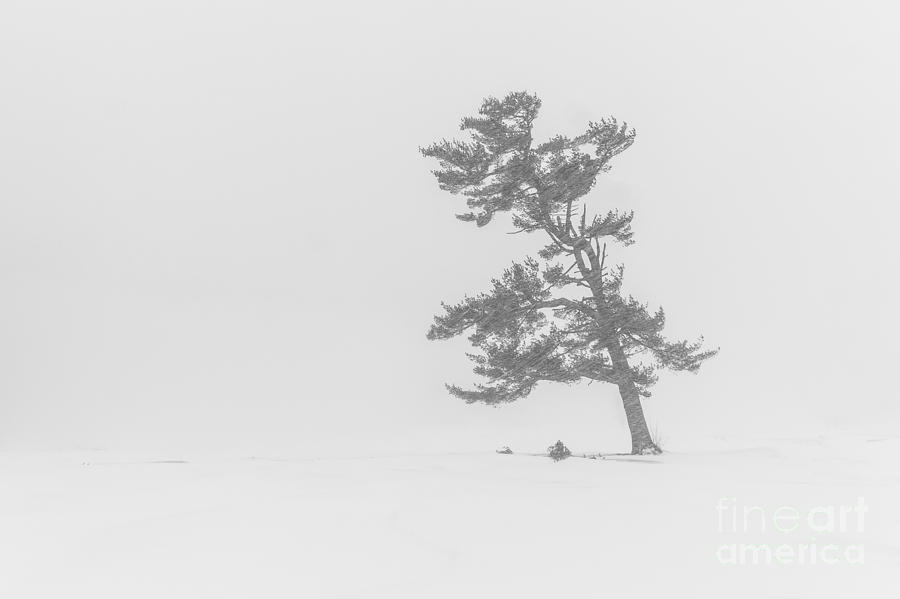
(216, 230)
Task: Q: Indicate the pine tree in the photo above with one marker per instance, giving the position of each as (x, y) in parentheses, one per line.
(561, 317)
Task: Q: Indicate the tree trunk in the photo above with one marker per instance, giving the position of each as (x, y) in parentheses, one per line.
(641, 442)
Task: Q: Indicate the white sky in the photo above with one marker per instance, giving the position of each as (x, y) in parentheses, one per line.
(215, 227)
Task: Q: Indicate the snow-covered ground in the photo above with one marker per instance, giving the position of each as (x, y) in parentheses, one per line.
(101, 524)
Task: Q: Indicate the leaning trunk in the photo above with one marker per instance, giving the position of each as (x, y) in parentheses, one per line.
(641, 442)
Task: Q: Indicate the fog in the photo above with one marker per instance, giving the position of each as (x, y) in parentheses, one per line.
(216, 229)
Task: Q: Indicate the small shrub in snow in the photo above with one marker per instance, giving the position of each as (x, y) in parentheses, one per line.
(504, 449)
(558, 452)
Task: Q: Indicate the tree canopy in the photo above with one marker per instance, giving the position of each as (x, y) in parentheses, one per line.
(561, 316)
